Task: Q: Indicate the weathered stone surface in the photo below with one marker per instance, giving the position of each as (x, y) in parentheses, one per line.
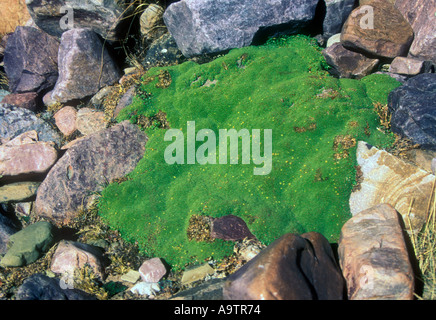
(7, 229)
(25, 159)
(151, 21)
(374, 258)
(348, 64)
(131, 276)
(163, 51)
(387, 34)
(206, 26)
(85, 66)
(106, 18)
(152, 270)
(388, 179)
(12, 14)
(420, 15)
(28, 245)
(196, 273)
(90, 121)
(85, 167)
(70, 256)
(65, 120)
(41, 287)
(337, 12)
(18, 191)
(413, 110)
(30, 60)
(15, 121)
(291, 268)
(421, 158)
(28, 100)
(409, 66)
(125, 100)
(210, 290)
(230, 228)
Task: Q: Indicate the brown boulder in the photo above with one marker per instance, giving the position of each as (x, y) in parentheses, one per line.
(230, 228)
(28, 100)
(291, 268)
(374, 258)
(85, 167)
(377, 29)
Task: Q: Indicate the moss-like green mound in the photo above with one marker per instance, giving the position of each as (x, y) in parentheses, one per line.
(316, 121)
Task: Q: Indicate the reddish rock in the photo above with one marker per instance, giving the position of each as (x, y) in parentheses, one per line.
(291, 268)
(385, 33)
(152, 270)
(28, 100)
(374, 257)
(231, 228)
(66, 120)
(85, 167)
(70, 256)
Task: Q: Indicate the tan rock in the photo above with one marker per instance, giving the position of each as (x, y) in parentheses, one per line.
(388, 179)
(89, 121)
(408, 66)
(377, 29)
(197, 273)
(65, 120)
(12, 14)
(150, 19)
(18, 191)
(374, 258)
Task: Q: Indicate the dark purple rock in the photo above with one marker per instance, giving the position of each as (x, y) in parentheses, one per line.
(231, 228)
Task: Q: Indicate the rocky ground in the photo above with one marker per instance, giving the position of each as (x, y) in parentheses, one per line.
(61, 145)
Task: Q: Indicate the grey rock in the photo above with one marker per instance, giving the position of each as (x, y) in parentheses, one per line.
(15, 121)
(209, 290)
(30, 60)
(207, 26)
(7, 229)
(163, 52)
(41, 287)
(337, 12)
(85, 66)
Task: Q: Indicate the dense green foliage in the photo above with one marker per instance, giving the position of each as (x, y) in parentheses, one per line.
(316, 121)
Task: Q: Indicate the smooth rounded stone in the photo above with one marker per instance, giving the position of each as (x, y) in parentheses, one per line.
(26, 159)
(333, 39)
(41, 287)
(15, 121)
(413, 110)
(230, 228)
(208, 26)
(145, 288)
(374, 257)
(18, 191)
(378, 29)
(348, 64)
(409, 66)
(107, 18)
(388, 179)
(196, 273)
(28, 100)
(70, 256)
(90, 121)
(293, 267)
(85, 66)
(85, 168)
(30, 60)
(420, 15)
(65, 120)
(28, 245)
(152, 270)
(7, 229)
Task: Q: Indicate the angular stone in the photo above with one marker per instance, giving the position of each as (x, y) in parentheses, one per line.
(125, 100)
(106, 18)
(374, 257)
(28, 100)
(382, 33)
(90, 121)
(421, 16)
(15, 121)
(337, 12)
(150, 19)
(18, 191)
(413, 110)
(388, 179)
(26, 159)
(7, 229)
(409, 66)
(291, 268)
(85, 66)
(65, 120)
(85, 167)
(152, 270)
(41, 287)
(348, 64)
(28, 245)
(230, 228)
(30, 60)
(196, 274)
(206, 26)
(70, 256)
(131, 276)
